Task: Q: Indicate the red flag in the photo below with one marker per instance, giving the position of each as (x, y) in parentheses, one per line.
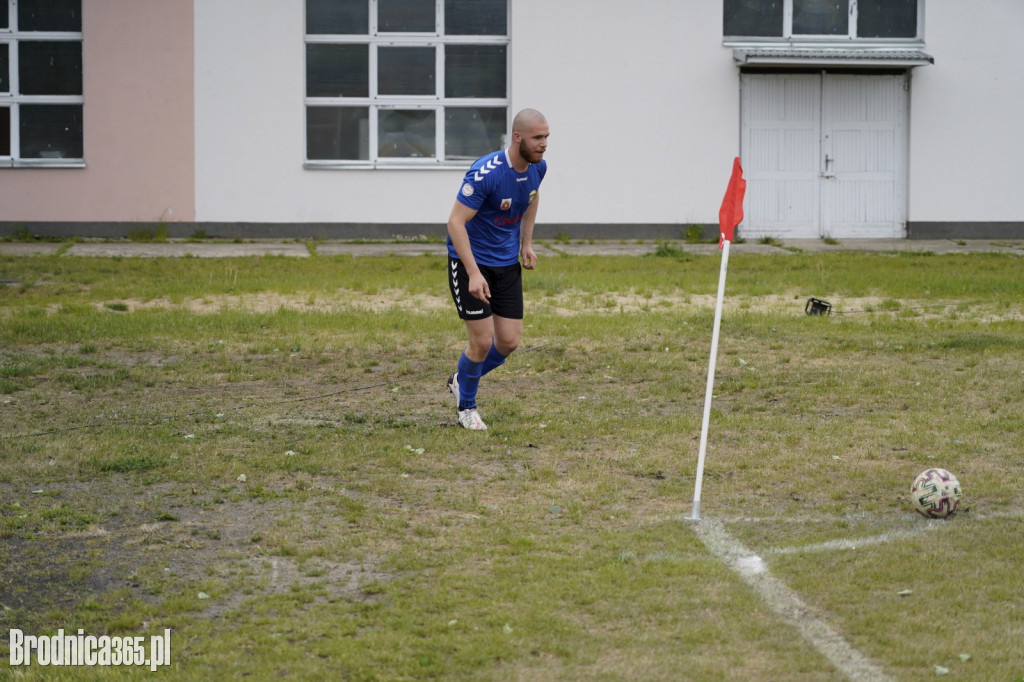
(731, 213)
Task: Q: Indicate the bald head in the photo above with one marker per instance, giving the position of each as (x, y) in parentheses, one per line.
(526, 119)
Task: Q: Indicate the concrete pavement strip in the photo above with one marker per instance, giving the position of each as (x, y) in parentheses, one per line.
(173, 249)
(28, 248)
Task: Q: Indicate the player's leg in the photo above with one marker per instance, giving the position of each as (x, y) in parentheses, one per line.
(493, 330)
(465, 382)
(507, 335)
(476, 314)
(470, 369)
(507, 309)
(480, 335)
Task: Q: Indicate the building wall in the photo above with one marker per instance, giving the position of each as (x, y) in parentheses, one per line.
(137, 79)
(643, 108)
(194, 114)
(250, 131)
(643, 103)
(965, 129)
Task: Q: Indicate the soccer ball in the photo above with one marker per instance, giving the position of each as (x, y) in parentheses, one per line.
(936, 493)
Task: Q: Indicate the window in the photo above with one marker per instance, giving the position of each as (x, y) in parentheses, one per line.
(887, 19)
(405, 83)
(822, 19)
(41, 97)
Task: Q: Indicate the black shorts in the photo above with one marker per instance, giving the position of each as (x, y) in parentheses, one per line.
(506, 285)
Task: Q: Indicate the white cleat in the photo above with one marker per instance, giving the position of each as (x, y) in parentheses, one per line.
(453, 386)
(470, 419)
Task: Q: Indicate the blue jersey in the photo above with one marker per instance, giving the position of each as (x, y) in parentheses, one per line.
(500, 195)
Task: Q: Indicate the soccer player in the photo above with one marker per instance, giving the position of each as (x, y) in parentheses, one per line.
(490, 228)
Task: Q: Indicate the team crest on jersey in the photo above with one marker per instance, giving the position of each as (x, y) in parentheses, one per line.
(533, 195)
(467, 190)
(506, 204)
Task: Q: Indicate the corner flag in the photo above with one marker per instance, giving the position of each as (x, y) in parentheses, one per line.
(731, 213)
(729, 216)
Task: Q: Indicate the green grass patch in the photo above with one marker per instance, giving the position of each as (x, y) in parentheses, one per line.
(260, 455)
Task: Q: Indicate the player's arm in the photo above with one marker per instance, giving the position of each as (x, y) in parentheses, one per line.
(460, 215)
(526, 234)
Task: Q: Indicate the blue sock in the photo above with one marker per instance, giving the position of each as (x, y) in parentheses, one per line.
(469, 382)
(493, 359)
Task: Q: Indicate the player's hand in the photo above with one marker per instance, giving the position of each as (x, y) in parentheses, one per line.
(529, 257)
(478, 288)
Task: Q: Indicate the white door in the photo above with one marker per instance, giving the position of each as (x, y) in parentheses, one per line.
(824, 155)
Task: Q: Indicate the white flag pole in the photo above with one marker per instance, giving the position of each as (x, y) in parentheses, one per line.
(695, 513)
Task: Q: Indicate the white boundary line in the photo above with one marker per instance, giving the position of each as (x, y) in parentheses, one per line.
(910, 520)
(787, 603)
(849, 544)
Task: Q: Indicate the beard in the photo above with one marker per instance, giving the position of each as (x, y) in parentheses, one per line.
(532, 157)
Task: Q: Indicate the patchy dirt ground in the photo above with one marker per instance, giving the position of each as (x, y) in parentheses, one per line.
(120, 539)
(568, 302)
(271, 302)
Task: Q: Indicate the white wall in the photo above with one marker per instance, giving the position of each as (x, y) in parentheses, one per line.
(967, 114)
(642, 100)
(250, 131)
(643, 103)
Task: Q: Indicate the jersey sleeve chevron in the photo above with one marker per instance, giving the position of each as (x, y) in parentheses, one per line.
(479, 180)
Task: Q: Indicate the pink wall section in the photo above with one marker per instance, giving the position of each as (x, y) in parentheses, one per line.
(139, 125)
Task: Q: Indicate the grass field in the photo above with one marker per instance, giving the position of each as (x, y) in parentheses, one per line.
(259, 454)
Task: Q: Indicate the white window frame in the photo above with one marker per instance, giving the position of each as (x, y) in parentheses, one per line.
(851, 36)
(11, 36)
(437, 102)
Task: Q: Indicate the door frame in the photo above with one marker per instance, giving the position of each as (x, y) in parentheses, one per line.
(791, 201)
